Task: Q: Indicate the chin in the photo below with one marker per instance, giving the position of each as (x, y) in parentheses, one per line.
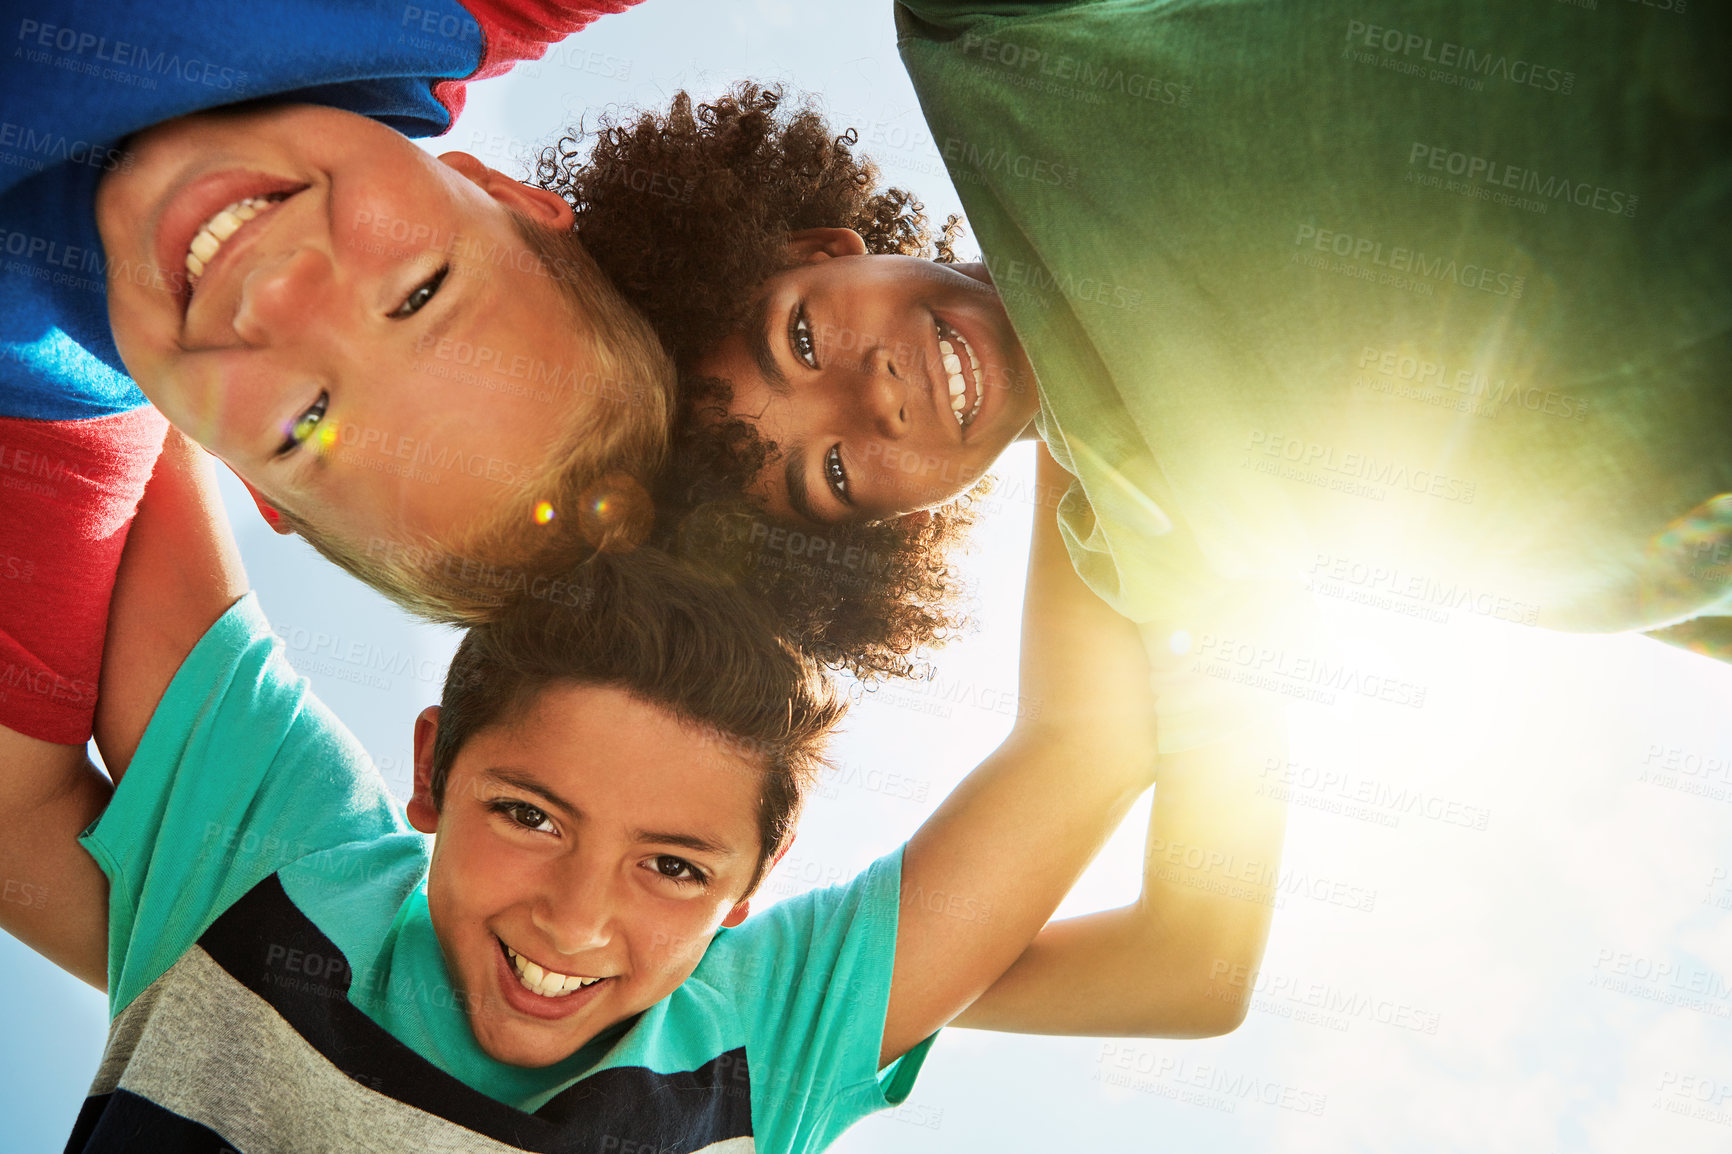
(528, 1048)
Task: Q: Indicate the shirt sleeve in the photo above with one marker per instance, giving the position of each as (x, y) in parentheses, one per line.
(811, 981)
(515, 30)
(70, 491)
(240, 771)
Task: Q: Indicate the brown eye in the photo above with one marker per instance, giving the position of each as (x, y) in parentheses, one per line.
(835, 475)
(800, 338)
(677, 869)
(523, 815)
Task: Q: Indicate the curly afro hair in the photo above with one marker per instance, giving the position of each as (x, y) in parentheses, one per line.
(689, 213)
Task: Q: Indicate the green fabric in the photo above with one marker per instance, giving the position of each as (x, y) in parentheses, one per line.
(243, 773)
(1274, 344)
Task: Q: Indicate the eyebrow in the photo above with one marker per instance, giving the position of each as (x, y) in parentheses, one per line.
(758, 344)
(799, 496)
(436, 331)
(691, 841)
(528, 784)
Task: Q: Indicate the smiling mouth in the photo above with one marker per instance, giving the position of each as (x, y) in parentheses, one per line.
(543, 982)
(220, 228)
(962, 375)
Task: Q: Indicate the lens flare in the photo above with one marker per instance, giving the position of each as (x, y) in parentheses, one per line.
(543, 512)
(615, 514)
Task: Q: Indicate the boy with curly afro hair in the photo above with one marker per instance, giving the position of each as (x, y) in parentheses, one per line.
(730, 180)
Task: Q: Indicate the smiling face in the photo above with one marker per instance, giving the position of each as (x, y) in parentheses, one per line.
(888, 383)
(586, 852)
(350, 313)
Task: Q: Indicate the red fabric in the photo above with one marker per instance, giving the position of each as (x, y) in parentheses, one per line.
(514, 30)
(68, 492)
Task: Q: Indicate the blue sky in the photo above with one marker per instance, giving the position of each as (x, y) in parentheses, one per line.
(1522, 942)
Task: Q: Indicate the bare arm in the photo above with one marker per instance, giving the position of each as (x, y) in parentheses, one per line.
(985, 872)
(180, 572)
(53, 896)
(1155, 968)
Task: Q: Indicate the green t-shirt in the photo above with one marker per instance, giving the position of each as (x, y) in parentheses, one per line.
(1428, 300)
(274, 973)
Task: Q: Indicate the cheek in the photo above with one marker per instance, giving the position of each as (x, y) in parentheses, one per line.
(676, 941)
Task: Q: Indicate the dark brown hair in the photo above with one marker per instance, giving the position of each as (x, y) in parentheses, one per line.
(688, 213)
(670, 636)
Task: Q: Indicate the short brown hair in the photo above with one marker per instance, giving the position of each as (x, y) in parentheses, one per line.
(603, 458)
(652, 626)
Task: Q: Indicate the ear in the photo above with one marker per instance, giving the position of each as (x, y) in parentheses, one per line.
(266, 510)
(545, 208)
(739, 912)
(423, 814)
(810, 245)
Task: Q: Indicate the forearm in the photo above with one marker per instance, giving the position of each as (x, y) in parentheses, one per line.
(181, 570)
(53, 896)
(986, 871)
(1155, 968)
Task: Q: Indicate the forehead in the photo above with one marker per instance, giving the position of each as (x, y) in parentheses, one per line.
(464, 420)
(618, 756)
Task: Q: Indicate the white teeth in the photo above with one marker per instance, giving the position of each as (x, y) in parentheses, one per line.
(221, 227)
(953, 369)
(546, 983)
(224, 224)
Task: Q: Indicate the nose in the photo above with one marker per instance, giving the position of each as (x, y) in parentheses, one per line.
(282, 296)
(880, 392)
(576, 909)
